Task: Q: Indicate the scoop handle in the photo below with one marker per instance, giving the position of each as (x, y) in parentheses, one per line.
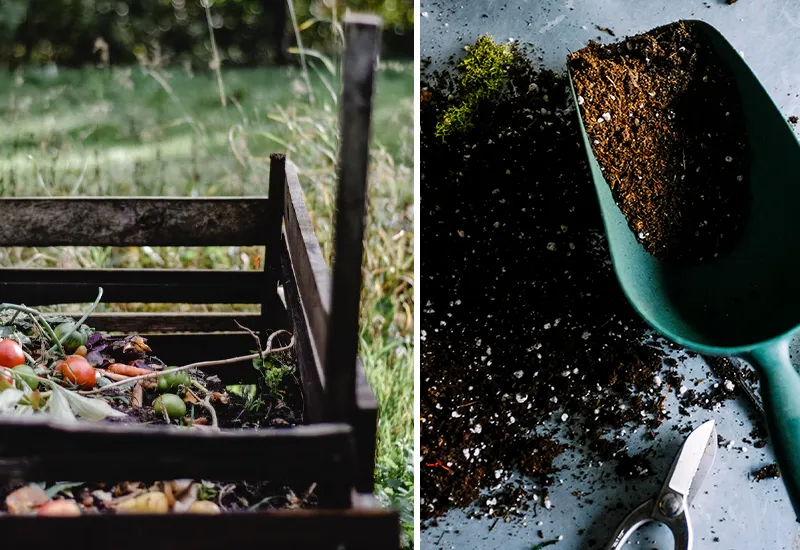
(780, 392)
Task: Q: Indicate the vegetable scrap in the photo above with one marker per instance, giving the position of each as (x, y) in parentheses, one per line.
(770, 471)
(55, 367)
(529, 350)
(164, 497)
(666, 125)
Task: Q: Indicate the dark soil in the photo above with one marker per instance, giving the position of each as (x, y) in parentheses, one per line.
(524, 326)
(667, 128)
(793, 120)
(770, 471)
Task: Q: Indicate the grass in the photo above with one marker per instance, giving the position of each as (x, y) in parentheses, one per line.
(127, 131)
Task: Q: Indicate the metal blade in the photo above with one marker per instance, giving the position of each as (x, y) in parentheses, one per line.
(694, 461)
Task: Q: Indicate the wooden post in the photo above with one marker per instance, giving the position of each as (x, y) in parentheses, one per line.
(362, 44)
(271, 306)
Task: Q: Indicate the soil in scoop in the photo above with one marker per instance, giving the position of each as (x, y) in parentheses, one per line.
(666, 126)
(525, 335)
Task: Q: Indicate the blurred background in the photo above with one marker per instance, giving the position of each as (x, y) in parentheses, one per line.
(187, 98)
(247, 32)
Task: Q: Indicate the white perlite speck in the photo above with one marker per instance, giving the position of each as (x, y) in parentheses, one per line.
(455, 414)
(586, 334)
(551, 247)
(547, 503)
(498, 473)
(657, 380)
(606, 116)
(729, 385)
(477, 429)
(683, 390)
(580, 100)
(521, 398)
(519, 374)
(564, 417)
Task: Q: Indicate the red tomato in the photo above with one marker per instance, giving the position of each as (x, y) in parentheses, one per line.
(11, 354)
(60, 508)
(77, 370)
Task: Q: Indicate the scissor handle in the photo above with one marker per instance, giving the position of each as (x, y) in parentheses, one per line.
(646, 512)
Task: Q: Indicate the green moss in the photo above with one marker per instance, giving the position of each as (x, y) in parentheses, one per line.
(483, 73)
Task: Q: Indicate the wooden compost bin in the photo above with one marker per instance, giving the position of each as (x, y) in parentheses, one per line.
(296, 292)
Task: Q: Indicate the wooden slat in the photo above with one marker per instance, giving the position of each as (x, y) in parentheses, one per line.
(365, 425)
(143, 323)
(63, 286)
(362, 40)
(31, 449)
(357, 529)
(311, 272)
(272, 266)
(128, 221)
(311, 375)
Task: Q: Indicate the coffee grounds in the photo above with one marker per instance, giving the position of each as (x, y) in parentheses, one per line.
(667, 128)
(770, 471)
(527, 339)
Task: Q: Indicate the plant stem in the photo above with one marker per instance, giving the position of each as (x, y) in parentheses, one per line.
(80, 321)
(202, 364)
(33, 314)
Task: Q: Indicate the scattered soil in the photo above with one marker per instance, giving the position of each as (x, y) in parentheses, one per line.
(527, 340)
(731, 2)
(667, 128)
(606, 30)
(770, 471)
(793, 120)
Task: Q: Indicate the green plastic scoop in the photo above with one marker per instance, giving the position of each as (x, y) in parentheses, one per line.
(747, 303)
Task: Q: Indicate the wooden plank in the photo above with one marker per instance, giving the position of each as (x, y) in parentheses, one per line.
(133, 221)
(365, 427)
(143, 323)
(362, 41)
(373, 529)
(33, 449)
(64, 286)
(311, 374)
(272, 262)
(310, 270)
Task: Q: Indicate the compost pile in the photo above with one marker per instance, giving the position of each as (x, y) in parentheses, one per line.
(52, 366)
(526, 336)
(667, 128)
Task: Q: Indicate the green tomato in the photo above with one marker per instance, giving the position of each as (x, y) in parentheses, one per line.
(28, 375)
(170, 404)
(75, 339)
(173, 380)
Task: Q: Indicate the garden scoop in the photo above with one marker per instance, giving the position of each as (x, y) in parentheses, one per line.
(744, 303)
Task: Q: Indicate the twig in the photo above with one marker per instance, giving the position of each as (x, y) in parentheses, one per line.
(217, 62)
(202, 364)
(301, 50)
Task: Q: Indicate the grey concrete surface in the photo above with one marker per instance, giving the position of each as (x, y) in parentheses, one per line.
(733, 511)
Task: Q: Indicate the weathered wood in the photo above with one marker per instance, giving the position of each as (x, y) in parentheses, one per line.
(357, 529)
(311, 374)
(129, 221)
(362, 40)
(32, 449)
(272, 262)
(64, 286)
(310, 270)
(365, 427)
(143, 323)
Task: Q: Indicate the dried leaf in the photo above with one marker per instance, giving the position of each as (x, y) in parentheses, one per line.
(58, 407)
(9, 398)
(137, 398)
(221, 397)
(62, 486)
(190, 398)
(85, 407)
(25, 499)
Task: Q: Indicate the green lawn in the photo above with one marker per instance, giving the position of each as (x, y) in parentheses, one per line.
(127, 132)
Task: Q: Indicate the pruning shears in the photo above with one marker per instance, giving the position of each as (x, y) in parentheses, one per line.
(671, 506)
